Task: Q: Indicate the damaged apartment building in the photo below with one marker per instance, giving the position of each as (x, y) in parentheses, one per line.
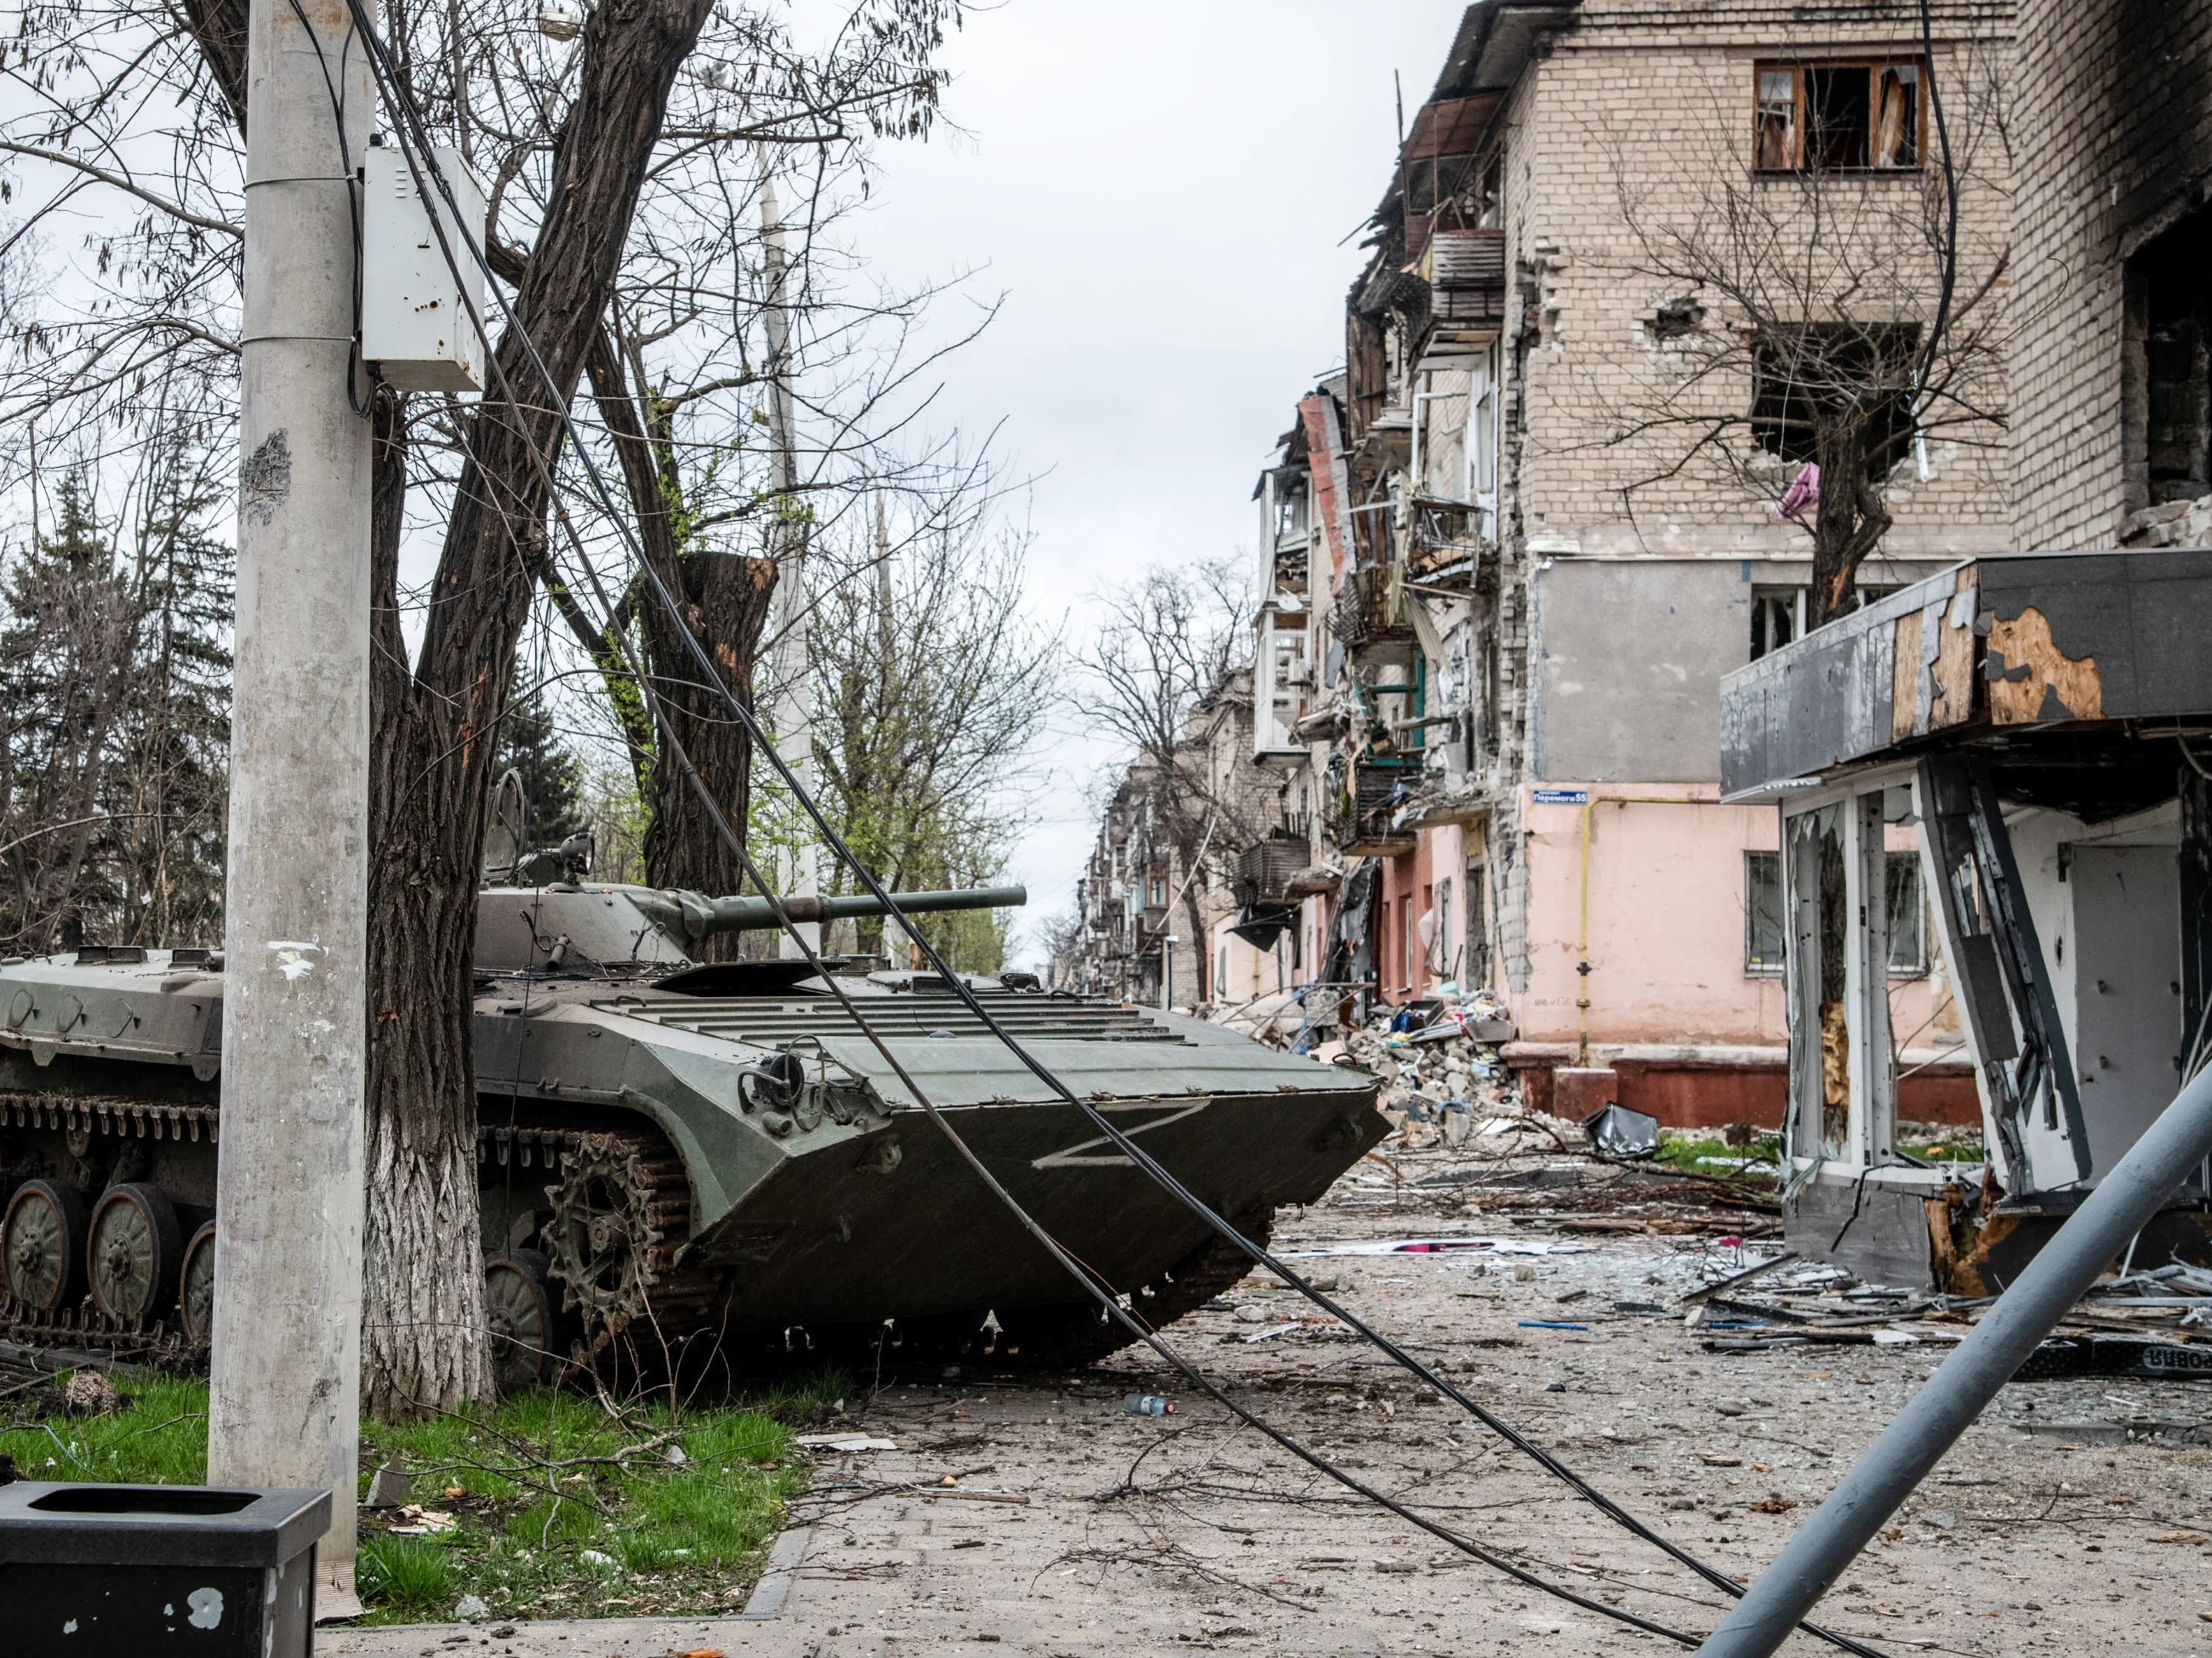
(2037, 725)
(1508, 553)
(1187, 840)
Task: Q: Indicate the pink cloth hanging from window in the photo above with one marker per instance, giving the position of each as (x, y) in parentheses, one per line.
(1804, 491)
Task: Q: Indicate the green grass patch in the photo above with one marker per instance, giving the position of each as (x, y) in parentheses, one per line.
(1701, 1155)
(557, 1507)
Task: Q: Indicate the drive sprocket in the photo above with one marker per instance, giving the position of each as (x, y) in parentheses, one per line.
(622, 1211)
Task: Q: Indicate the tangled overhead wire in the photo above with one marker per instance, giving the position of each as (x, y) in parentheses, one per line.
(415, 142)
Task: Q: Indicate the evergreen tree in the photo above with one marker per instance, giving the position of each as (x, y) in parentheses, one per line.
(170, 781)
(66, 642)
(114, 722)
(552, 776)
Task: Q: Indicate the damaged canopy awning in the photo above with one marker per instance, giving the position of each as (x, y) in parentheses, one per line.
(1989, 651)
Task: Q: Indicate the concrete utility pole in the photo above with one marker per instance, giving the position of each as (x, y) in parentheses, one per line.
(793, 717)
(285, 1378)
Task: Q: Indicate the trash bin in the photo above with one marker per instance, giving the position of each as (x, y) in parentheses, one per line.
(94, 1570)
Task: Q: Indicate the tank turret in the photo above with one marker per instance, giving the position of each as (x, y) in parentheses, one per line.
(581, 926)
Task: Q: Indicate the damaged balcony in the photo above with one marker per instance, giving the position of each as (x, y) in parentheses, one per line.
(1370, 612)
(1467, 277)
(1378, 789)
(1453, 546)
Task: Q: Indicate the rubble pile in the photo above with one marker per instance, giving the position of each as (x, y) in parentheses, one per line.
(1467, 1142)
(1440, 1067)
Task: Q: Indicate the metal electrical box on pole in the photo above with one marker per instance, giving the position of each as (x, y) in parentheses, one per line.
(285, 1372)
(416, 322)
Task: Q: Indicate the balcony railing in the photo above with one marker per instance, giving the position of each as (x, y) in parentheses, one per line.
(1467, 276)
(1361, 826)
(1264, 870)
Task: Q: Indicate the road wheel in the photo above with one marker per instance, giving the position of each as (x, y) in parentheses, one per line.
(132, 1258)
(42, 1247)
(196, 1288)
(520, 1309)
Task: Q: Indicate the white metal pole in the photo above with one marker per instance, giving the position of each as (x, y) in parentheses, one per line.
(284, 1399)
(1948, 1403)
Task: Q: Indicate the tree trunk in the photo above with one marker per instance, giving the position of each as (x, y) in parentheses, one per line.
(1202, 958)
(423, 1347)
(1850, 521)
(726, 600)
(423, 1289)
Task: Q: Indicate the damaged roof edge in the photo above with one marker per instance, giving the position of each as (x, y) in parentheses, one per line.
(1495, 41)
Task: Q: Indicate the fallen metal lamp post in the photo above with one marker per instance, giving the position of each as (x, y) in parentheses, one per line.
(1862, 1503)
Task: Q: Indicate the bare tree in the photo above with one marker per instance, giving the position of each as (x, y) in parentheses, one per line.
(1167, 642)
(581, 145)
(932, 688)
(1822, 311)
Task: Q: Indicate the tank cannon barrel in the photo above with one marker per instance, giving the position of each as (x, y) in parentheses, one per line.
(750, 914)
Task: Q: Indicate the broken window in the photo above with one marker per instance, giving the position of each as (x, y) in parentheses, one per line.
(1778, 613)
(1777, 616)
(2168, 367)
(1477, 888)
(1837, 117)
(1908, 916)
(1837, 375)
(1440, 431)
(1777, 148)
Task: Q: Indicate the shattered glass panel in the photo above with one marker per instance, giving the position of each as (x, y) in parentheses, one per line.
(1820, 1020)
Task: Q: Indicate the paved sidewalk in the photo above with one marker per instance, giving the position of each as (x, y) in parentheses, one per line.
(1030, 1515)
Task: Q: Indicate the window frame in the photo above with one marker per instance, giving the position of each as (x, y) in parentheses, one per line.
(1907, 865)
(1753, 966)
(1895, 864)
(1798, 69)
(1790, 600)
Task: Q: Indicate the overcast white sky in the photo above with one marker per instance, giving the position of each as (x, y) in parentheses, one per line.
(1158, 191)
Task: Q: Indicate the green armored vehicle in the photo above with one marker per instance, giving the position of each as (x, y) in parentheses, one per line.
(674, 1154)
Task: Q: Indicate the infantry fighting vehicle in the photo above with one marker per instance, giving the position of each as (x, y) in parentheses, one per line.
(673, 1153)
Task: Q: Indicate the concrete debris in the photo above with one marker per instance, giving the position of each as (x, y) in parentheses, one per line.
(2170, 524)
(1440, 1068)
(387, 1488)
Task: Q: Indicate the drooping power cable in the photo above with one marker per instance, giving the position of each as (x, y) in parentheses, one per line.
(423, 163)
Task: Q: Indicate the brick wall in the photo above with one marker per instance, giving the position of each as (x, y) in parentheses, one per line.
(1636, 146)
(2112, 124)
(1641, 114)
